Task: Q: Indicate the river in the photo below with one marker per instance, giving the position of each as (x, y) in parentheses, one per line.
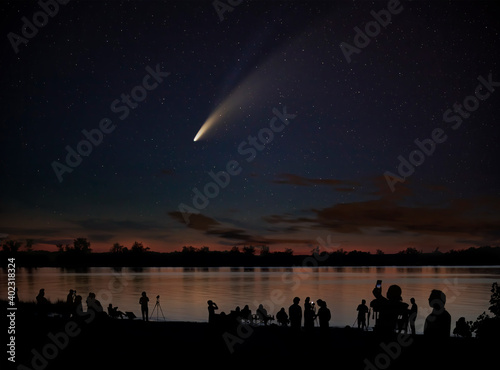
(184, 291)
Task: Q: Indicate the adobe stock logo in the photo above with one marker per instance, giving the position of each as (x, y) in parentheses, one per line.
(426, 147)
(40, 19)
(247, 148)
(221, 7)
(371, 30)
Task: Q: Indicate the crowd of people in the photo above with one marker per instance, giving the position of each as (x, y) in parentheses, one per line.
(262, 317)
(389, 313)
(73, 305)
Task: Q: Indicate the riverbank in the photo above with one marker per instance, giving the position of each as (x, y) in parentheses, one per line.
(91, 342)
(192, 257)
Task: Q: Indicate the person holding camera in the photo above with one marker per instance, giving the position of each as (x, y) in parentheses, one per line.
(212, 306)
(389, 309)
(309, 314)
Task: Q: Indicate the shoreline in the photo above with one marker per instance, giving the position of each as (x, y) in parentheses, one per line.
(45, 343)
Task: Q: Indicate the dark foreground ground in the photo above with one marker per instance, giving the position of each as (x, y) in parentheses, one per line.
(56, 343)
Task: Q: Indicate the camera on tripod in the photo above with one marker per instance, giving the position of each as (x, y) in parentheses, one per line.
(157, 308)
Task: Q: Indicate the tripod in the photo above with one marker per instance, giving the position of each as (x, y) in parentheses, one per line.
(157, 307)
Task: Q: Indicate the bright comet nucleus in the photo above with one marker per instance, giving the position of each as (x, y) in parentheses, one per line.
(208, 123)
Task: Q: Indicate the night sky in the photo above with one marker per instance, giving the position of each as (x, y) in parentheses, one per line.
(324, 133)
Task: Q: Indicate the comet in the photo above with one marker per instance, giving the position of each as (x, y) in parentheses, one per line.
(270, 81)
(250, 92)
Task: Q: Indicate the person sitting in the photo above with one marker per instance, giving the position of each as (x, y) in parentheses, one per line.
(462, 328)
(114, 313)
(282, 317)
(42, 303)
(246, 314)
(78, 307)
(40, 298)
(262, 315)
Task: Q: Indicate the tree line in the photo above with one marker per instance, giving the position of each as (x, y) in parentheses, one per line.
(80, 254)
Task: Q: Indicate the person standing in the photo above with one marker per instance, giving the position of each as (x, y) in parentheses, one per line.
(308, 314)
(362, 312)
(413, 315)
(212, 306)
(295, 314)
(143, 301)
(324, 315)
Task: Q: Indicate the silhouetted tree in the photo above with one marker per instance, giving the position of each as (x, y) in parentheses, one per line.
(410, 252)
(29, 245)
(189, 249)
(264, 250)
(81, 245)
(495, 300)
(11, 246)
(235, 250)
(138, 248)
(487, 327)
(249, 250)
(117, 248)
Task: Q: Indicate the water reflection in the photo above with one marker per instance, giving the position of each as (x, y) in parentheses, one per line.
(184, 291)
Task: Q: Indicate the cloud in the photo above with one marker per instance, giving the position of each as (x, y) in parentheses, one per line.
(95, 224)
(296, 180)
(196, 221)
(101, 237)
(225, 231)
(461, 217)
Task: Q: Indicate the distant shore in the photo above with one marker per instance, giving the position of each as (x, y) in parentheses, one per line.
(482, 256)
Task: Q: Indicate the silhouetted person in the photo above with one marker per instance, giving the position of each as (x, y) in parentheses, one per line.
(282, 317)
(262, 314)
(324, 315)
(362, 312)
(40, 298)
(114, 313)
(389, 309)
(413, 315)
(212, 306)
(143, 301)
(78, 307)
(94, 304)
(246, 313)
(309, 314)
(70, 302)
(438, 323)
(42, 302)
(236, 314)
(295, 314)
(462, 328)
(70, 298)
